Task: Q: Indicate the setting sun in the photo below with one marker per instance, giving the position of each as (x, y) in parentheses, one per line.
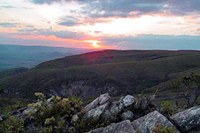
(94, 43)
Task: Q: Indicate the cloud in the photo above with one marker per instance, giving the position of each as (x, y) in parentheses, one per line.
(8, 25)
(115, 22)
(64, 34)
(7, 7)
(184, 6)
(167, 42)
(44, 1)
(69, 21)
(44, 40)
(124, 8)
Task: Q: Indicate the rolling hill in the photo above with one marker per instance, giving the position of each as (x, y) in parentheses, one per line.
(113, 71)
(14, 56)
(12, 72)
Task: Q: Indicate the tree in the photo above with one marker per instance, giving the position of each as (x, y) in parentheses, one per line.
(189, 88)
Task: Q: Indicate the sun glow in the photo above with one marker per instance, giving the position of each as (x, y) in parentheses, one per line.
(94, 44)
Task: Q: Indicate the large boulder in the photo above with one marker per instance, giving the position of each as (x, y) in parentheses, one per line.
(122, 127)
(152, 121)
(102, 99)
(188, 119)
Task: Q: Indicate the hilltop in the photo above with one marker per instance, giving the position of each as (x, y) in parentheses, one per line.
(117, 72)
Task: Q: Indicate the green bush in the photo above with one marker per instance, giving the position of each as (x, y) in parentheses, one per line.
(167, 107)
(9, 105)
(12, 124)
(48, 115)
(54, 112)
(164, 129)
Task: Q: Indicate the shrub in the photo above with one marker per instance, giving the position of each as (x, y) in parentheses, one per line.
(54, 113)
(12, 124)
(46, 115)
(167, 107)
(164, 129)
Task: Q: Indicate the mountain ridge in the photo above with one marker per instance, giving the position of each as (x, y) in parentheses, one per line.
(90, 74)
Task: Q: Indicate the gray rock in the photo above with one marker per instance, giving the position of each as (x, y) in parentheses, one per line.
(2, 118)
(144, 102)
(19, 111)
(149, 122)
(96, 112)
(75, 118)
(116, 108)
(98, 101)
(128, 115)
(128, 100)
(104, 98)
(188, 119)
(122, 127)
(141, 103)
(107, 115)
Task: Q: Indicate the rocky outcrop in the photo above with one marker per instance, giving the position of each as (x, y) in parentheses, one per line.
(122, 127)
(152, 121)
(98, 101)
(129, 114)
(102, 111)
(96, 112)
(126, 109)
(188, 119)
(123, 109)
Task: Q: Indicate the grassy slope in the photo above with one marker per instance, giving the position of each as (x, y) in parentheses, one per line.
(13, 71)
(109, 56)
(130, 71)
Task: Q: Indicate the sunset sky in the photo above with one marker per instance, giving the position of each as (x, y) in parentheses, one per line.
(101, 24)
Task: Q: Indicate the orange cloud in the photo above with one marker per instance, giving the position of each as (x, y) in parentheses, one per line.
(84, 43)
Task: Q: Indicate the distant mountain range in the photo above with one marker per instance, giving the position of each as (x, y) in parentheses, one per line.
(13, 56)
(109, 71)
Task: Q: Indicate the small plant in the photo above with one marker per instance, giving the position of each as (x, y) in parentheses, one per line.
(164, 129)
(54, 112)
(167, 107)
(13, 124)
(188, 88)
(47, 115)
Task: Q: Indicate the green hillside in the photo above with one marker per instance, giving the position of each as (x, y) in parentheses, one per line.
(115, 72)
(13, 71)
